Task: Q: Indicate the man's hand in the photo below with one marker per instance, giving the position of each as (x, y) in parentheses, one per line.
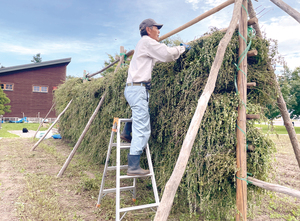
(187, 47)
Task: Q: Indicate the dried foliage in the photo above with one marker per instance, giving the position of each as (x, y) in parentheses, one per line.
(208, 186)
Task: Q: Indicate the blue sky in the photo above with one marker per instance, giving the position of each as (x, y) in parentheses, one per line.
(88, 30)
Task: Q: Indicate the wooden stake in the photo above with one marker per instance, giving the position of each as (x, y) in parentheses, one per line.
(252, 116)
(241, 161)
(42, 122)
(52, 125)
(121, 58)
(61, 172)
(252, 53)
(197, 19)
(174, 181)
(288, 9)
(274, 187)
(251, 84)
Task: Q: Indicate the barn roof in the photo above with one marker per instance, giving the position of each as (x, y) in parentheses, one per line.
(35, 65)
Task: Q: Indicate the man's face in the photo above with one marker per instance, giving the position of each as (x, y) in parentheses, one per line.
(153, 32)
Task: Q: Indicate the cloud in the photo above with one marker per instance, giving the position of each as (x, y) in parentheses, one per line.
(214, 3)
(194, 3)
(286, 31)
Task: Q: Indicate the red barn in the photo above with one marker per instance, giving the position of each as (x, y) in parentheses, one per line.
(30, 87)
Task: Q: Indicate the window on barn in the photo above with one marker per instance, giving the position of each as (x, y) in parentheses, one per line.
(7, 87)
(41, 89)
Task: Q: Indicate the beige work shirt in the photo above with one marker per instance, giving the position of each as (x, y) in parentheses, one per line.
(147, 52)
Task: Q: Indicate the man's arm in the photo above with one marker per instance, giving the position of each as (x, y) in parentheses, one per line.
(162, 52)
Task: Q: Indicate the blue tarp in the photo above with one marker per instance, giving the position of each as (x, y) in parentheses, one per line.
(56, 136)
(24, 119)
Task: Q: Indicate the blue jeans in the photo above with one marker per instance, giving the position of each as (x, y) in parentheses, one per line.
(138, 97)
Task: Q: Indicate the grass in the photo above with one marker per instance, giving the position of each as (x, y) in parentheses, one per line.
(276, 129)
(73, 197)
(18, 126)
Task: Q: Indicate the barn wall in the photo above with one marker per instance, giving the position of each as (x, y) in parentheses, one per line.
(23, 99)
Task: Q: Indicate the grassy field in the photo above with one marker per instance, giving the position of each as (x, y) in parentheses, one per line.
(276, 129)
(17, 126)
(29, 188)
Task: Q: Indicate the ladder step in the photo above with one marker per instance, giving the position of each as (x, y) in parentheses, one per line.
(125, 120)
(124, 167)
(122, 145)
(139, 207)
(113, 190)
(127, 177)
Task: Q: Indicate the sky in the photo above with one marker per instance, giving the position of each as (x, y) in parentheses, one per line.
(88, 30)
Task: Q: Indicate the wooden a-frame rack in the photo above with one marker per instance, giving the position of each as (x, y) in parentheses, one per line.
(239, 14)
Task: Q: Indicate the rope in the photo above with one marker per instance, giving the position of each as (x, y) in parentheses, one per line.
(246, 180)
(125, 58)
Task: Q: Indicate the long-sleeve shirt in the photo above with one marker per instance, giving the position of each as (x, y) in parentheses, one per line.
(147, 52)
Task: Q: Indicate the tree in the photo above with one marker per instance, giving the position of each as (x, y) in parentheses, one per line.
(37, 58)
(295, 93)
(289, 83)
(3, 101)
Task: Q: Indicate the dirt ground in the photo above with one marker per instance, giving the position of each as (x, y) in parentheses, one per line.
(28, 181)
(18, 167)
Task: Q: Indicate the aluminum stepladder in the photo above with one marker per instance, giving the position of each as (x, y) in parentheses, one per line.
(121, 146)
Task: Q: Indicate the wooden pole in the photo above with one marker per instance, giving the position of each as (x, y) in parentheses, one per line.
(42, 122)
(241, 150)
(197, 19)
(61, 172)
(287, 121)
(286, 117)
(288, 9)
(252, 15)
(42, 138)
(274, 187)
(121, 60)
(174, 181)
(128, 54)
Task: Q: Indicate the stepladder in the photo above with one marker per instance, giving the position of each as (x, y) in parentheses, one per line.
(118, 167)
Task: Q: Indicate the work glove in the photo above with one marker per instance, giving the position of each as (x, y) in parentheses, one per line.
(187, 47)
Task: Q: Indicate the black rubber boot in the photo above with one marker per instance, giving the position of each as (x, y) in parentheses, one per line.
(125, 135)
(134, 168)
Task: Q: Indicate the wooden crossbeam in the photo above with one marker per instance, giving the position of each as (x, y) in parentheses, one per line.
(274, 187)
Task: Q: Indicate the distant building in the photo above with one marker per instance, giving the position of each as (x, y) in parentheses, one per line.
(30, 87)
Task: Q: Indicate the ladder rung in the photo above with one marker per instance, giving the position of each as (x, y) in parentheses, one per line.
(125, 120)
(127, 177)
(138, 207)
(115, 167)
(113, 190)
(122, 145)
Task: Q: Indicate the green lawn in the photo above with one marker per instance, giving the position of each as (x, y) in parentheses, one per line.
(17, 126)
(277, 129)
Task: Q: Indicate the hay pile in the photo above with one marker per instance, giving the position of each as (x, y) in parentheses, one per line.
(208, 185)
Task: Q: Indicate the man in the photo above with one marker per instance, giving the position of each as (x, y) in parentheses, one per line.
(148, 51)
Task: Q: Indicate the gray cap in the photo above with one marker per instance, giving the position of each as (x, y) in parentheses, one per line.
(148, 23)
